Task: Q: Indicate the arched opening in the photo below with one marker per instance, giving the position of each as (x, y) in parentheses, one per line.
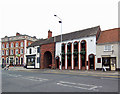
(57, 62)
(47, 59)
(69, 55)
(76, 55)
(91, 61)
(83, 54)
(63, 56)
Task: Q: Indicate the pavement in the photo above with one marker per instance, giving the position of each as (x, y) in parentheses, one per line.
(113, 74)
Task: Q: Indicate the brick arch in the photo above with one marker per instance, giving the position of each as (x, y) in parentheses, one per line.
(44, 48)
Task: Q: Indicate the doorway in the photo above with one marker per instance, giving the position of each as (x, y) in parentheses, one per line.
(91, 61)
(47, 59)
(57, 62)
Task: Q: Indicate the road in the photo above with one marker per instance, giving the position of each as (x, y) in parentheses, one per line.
(24, 81)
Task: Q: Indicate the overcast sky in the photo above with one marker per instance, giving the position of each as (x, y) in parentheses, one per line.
(36, 17)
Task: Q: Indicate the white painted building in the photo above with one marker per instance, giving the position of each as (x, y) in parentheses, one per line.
(79, 49)
(33, 55)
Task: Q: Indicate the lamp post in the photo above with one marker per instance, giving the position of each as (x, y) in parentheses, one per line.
(60, 21)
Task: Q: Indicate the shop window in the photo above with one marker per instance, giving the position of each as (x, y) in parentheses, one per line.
(106, 61)
(98, 60)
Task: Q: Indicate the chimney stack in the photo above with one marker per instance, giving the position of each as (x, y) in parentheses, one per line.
(49, 34)
(17, 34)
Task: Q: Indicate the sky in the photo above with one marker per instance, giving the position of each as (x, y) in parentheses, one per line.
(36, 17)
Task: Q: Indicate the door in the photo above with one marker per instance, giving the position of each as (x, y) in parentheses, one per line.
(113, 63)
(91, 61)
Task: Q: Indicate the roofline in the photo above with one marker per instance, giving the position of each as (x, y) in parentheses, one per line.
(110, 29)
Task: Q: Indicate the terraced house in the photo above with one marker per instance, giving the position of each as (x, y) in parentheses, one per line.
(13, 49)
(108, 50)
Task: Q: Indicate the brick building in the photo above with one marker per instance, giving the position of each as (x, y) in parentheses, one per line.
(13, 49)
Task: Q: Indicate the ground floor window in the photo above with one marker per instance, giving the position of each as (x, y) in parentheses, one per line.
(31, 61)
(106, 61)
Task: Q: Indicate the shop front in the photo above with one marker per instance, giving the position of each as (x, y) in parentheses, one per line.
(30, 61)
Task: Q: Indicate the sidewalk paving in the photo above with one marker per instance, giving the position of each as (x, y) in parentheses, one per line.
(73, 72)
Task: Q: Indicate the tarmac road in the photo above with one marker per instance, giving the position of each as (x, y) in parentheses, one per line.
(57, 81)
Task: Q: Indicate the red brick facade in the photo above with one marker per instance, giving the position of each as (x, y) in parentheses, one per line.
(44, 48)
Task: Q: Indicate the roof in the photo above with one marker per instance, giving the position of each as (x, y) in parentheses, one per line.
(109, 36)
(69, 36)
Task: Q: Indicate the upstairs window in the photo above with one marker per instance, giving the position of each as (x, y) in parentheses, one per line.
(21, 51)
(107, 48)
(30, 51)
(3, 52)
(7, 52)
(16, 44)
(16, 51)
(7, 45)
(29, 43)
(11, 45)
(21, 44)
(11, 52)
(3, 46)
(38, 49)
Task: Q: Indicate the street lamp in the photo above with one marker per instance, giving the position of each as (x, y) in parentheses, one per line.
(60, 21)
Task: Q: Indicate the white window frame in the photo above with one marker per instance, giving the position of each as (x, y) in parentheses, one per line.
(16, 45)
(12, 45)
(3, 45)
(21, 51)
(3, 52)
(7, 45)
(16, 51)
(7, 52)
(21, 44)
(11, 51)
(108, 48)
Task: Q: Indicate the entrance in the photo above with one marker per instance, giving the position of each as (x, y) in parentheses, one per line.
(57, 62)
(113, 63)
(91, 61)
(47, 60)
(11, 62)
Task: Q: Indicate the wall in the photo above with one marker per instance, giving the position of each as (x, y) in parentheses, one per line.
(47, 47)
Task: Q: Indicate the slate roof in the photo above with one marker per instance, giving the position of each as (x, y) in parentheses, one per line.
(69, 36)
(109, 36)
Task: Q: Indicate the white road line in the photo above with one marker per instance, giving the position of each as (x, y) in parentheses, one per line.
(79, 85)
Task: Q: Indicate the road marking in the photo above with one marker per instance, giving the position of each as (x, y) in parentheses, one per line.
(79, 85)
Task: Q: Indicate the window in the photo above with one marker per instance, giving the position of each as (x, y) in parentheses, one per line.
(16, 44)
(11, 45)
(3, 46)
(98, 60)
(21, 44)
(38, 49)
(7, 52)
(30, 51)
(16, 51)
(107, 48)
(11, 52)
(3, 52)
(21, 51)
(38, 59)
(29, 43)
(7, 45)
